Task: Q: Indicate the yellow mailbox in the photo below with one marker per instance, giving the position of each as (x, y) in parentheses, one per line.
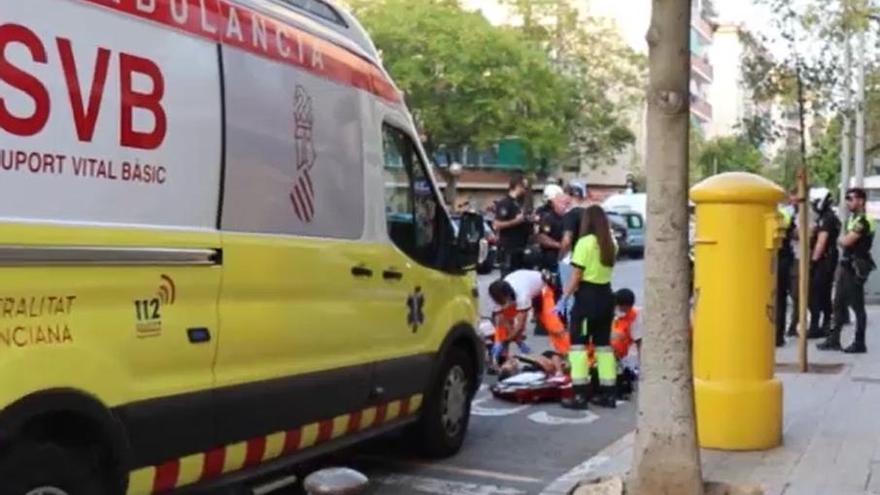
(738, 400)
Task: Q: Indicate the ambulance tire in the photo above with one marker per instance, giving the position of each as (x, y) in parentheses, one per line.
(31, 466)
(446, 414)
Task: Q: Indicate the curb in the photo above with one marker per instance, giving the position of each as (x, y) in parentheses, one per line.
(615, 457)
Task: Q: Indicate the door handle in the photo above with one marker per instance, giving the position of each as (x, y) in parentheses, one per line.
(392, 274)
(361, 271)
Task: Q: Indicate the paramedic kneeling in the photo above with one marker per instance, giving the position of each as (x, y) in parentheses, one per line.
(514, 297)
(626, 340)
(593, 312)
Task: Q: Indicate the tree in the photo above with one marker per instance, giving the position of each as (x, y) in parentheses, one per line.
(824, 160)
(607, 75)
(729, 154)
(468, 82)
(815, 32)
(667, 458)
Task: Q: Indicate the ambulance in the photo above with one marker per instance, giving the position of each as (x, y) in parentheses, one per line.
(222, 250)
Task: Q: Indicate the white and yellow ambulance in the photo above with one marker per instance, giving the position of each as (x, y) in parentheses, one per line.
(221, 247)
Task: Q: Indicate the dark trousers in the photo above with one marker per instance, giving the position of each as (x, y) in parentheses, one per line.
(512, 259)
(821, 284)
(783, 285)
(850, 294)
(795, 296)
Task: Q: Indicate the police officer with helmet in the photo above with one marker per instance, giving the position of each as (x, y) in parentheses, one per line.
(855, 267)
(549, 227)
(823, 262)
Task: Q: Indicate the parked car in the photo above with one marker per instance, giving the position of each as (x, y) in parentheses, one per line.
(490, 263)
(637, 202)
(634, 225)
(618, 227)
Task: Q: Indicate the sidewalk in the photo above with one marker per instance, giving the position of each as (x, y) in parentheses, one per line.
(831, 436)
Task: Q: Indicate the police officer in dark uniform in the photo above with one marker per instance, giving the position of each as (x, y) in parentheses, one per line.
(513, 227)
(823, 262)
(549, 228)
(855, 266)
(784, 263)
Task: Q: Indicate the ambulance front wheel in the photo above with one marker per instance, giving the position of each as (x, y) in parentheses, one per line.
(447, 410)
(43, 468)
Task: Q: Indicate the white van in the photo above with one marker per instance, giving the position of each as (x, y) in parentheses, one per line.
(222, 250)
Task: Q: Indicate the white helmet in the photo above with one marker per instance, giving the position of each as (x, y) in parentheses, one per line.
(820, 198)
(551, 191)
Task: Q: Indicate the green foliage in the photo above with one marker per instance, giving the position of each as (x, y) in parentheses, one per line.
(467, 82)
(606, 74)
(729, 154)
(824, 160)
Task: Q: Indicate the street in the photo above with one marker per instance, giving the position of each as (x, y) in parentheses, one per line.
(510, 449)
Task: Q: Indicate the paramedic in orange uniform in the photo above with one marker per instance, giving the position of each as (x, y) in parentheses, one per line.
(514, 297)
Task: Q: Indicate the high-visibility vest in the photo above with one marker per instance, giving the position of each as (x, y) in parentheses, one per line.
(621, 335)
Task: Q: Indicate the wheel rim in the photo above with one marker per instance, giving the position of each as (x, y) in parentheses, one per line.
(454, 401)
(47, 490)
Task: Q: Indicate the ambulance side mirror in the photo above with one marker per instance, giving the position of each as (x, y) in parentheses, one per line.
(471, 246)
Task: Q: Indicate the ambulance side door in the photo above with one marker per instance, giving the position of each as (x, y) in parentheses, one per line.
(410, 266)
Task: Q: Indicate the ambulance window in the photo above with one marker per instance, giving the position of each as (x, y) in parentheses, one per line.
(414, 215)
(319, 9)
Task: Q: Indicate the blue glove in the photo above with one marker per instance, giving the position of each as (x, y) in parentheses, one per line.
(497, 350)
(524, 348)
(562, 306)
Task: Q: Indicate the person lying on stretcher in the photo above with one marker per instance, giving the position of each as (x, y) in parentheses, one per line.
(551, 363)
(514, 297)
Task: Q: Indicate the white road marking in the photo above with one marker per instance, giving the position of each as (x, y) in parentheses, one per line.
(478, 473)
(477, 409)
(545, 418)
(443, 487)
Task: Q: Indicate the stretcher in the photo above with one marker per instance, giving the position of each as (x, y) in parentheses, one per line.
(532, 385)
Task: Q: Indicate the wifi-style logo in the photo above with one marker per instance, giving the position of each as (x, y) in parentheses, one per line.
(167, 290)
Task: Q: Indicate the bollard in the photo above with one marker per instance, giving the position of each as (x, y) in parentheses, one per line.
(335, 481)
(738, 400)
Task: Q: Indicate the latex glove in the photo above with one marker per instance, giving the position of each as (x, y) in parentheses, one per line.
(497, 350)
(523, 347)
(561, 307)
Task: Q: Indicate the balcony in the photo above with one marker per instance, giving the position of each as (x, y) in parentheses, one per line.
(701, 108)
(701, 67)
(703, 28)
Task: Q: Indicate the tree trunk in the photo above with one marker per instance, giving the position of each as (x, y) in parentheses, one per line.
(667, 458)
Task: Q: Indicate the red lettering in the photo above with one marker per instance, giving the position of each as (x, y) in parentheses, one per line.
(136, 175)
(35, 163)
(84, 118)
(21, 80)
(20, 159)
(48, 163)
(151, 102)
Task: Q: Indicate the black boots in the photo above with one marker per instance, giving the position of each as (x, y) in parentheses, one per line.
(832, 343)
(856, 348)
(580, 401)
(606, 398)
